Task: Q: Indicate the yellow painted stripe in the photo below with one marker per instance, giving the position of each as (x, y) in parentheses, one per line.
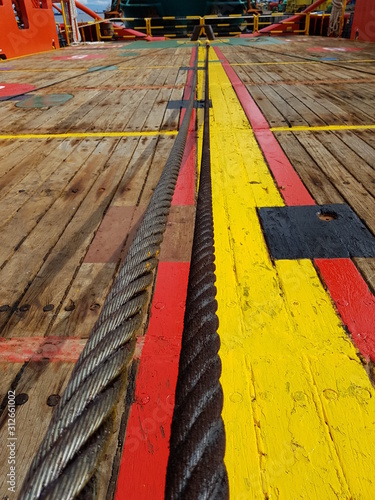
(46, 70)
(323, 128)
(85, 135)
(57, 70)
(271, 63)
(298, 405)
(124, 68)
(29, 55)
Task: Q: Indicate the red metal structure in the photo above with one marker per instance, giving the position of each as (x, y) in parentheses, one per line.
(364, 21)
(26, 27)
(283, 26)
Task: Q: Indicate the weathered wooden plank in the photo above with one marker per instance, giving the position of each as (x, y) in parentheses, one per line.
(28, 217)
(360, 170)
(291, 110)
(162, 151)
(9, 372)
(367, 268)
(357, 142)
(72, 110)
(132, 184)
(81, 307)
(321, 188)
(369, 137)
(39, 381)
(31, 253)
(353, 191)
(16, 165)
(178, 238)
(6, 148)
(44, 295)
(45, 177)
(358, 107)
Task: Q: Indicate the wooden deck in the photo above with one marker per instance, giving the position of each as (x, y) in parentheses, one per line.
(75, 179)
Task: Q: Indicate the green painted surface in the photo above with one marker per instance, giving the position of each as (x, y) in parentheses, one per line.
(128, 54)
(44, 101)
(261, 40)
(102, 68)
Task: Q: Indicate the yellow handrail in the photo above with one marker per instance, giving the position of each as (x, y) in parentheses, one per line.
(67, 36)
(254, 21)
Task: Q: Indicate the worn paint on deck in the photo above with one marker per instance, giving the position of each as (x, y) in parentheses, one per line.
(293, 384)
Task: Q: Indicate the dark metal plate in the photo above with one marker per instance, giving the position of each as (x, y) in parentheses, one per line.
(313, 232)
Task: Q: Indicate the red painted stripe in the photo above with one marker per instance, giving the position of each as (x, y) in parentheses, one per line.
(9, 89)
(55, 349)
(146, 450)
(189, 81)
(288, 181)
(185, 188)
(354, 301)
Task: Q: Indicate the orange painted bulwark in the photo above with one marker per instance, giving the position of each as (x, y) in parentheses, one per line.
(35, 30)
(364, 21)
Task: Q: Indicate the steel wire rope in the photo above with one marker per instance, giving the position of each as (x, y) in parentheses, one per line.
(81, 424)
(196, 467)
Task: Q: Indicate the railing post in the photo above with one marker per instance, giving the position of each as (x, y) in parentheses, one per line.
(148, 26)
(342, 19)
(67, 34)
(202, 22)
(256, 23)
(307, 23)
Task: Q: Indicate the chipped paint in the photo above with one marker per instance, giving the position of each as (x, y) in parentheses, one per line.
(298, 404)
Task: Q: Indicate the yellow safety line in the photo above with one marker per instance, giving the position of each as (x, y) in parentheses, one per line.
(269, 63)
(124, 68)
(322, 128)
(85, 135)
(298, 405)
(29, 55)
(56, 70)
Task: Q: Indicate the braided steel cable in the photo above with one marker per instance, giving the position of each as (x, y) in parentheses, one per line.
(81, 425)
(335, 18)
(196, 467)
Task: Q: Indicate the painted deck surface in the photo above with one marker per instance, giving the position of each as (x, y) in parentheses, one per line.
(298, 336)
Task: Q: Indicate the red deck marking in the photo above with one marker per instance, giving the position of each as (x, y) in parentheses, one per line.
(185, 188)
(289, 183)
(109, 240)
(56, 349)
(189, 82)
(9, 89)
(146, 450)
(354, 301)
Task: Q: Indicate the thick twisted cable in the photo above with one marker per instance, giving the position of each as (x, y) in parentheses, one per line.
(196, 467)
(80, 427)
